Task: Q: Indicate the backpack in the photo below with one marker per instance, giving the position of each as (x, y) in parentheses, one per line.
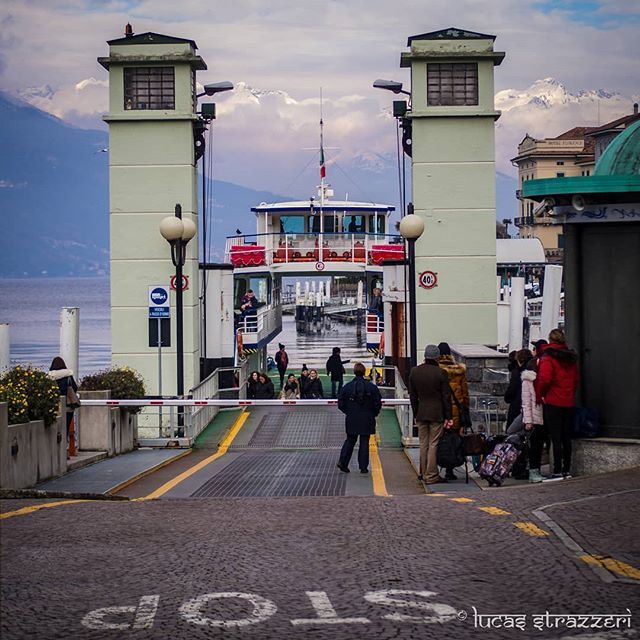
(450, 452)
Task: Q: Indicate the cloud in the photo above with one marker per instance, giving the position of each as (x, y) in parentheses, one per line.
(81, 103)
(286, 51)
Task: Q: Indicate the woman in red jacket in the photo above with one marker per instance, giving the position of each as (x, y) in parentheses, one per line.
(555, 387)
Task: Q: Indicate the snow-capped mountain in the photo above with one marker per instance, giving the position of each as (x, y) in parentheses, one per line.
(549, 93)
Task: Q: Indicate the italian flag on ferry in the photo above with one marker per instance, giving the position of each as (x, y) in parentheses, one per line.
(323, 169)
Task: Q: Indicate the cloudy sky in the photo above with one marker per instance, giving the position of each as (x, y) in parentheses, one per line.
(280, 52)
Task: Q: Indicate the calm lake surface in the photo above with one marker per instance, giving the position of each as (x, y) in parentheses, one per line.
(32, 307)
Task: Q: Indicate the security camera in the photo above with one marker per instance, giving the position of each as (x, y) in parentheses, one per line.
(544, 207)
(578, 202)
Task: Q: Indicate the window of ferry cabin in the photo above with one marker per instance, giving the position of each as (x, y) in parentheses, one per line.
(292, 224)
(149, 88)
(353, 224)
(329, 224)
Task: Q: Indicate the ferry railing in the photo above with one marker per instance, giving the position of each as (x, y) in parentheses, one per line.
(161, 415)
(211, 387)
(286, 248)
(260, 324)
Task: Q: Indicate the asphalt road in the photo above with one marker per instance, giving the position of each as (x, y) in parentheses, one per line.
(404, 566)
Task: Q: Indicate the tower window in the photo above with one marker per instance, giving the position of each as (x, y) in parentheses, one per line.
(452, 84)
(149, 88)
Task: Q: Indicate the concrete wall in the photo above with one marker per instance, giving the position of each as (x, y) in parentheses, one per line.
(109, 429)
(41, 451)
(601, 455)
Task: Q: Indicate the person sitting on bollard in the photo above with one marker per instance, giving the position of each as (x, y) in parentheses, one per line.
(361, 402)
(64, 377)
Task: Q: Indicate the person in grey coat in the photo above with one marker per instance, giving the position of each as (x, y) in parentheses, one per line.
(360, 401)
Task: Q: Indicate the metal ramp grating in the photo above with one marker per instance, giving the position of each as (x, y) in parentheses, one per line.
(277, 474)
(298, 430)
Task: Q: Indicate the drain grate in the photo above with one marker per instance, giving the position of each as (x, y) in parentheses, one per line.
(277, 474)
(298, 430)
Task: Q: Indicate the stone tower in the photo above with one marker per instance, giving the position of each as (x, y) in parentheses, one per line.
(453, 173)
(152, 111)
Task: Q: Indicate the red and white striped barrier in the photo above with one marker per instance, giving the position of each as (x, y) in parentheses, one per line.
(214, 402)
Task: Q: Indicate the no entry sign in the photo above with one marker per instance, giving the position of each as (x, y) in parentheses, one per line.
(428, 279)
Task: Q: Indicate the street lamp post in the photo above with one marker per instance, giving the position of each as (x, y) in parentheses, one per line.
(177, 232)
(411, 228)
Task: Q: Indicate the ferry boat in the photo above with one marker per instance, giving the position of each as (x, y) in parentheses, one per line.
(318, 237)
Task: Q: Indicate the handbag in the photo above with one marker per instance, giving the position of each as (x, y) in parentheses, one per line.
(463, 412)
(474, 444)
(73, 401)
(449, 453)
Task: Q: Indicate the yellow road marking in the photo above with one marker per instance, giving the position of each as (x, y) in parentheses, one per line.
(436, 495)
(36, 507)
(531, 529)
(494, 511)
(461, 500)
(222, 449)
(379, 485)
(613, 565)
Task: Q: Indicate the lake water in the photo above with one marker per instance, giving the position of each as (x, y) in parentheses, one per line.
(32, 307)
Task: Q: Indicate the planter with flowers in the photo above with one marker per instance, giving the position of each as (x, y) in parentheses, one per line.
(33, 443)
(110, 429)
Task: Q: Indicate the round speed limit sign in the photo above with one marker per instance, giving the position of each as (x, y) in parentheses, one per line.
(428, 279)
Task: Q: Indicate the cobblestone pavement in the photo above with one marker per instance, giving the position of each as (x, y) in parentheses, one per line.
(406, 566)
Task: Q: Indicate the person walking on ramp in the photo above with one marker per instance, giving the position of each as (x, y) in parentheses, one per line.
(361, 402)
(430, 395)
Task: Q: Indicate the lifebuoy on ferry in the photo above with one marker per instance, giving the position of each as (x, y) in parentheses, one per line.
(239, 344)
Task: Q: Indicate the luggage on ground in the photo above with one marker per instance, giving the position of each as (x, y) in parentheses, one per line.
(450, 453)
(497, 465)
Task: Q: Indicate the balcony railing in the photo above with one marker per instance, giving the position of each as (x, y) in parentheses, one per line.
(296, 248)
(254, 327)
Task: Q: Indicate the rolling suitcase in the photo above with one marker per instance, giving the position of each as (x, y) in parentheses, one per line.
(497, 465)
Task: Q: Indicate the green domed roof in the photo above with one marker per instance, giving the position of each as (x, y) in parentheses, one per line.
(622, 156)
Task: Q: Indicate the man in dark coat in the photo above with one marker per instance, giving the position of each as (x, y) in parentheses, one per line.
(361, 402)
(335, 370)
(430, 395)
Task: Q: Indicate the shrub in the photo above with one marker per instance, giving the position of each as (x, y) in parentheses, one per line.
(123, 383)
(31, 395)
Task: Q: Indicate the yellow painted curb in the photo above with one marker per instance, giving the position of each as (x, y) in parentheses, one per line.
(379, 485)
(36, 507)
(222, 449)
(611, 564)
(531, 529)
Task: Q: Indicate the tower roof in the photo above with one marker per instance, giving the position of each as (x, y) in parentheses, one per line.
(452, 33)
(622, 156)
(151, 38)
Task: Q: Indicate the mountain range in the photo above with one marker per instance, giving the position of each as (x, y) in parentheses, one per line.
(54, 192)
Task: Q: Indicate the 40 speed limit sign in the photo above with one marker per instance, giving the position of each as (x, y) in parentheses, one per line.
(428, 279)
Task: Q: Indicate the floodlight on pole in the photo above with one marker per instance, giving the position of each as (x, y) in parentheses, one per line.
(216, 87)
(390, 85)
